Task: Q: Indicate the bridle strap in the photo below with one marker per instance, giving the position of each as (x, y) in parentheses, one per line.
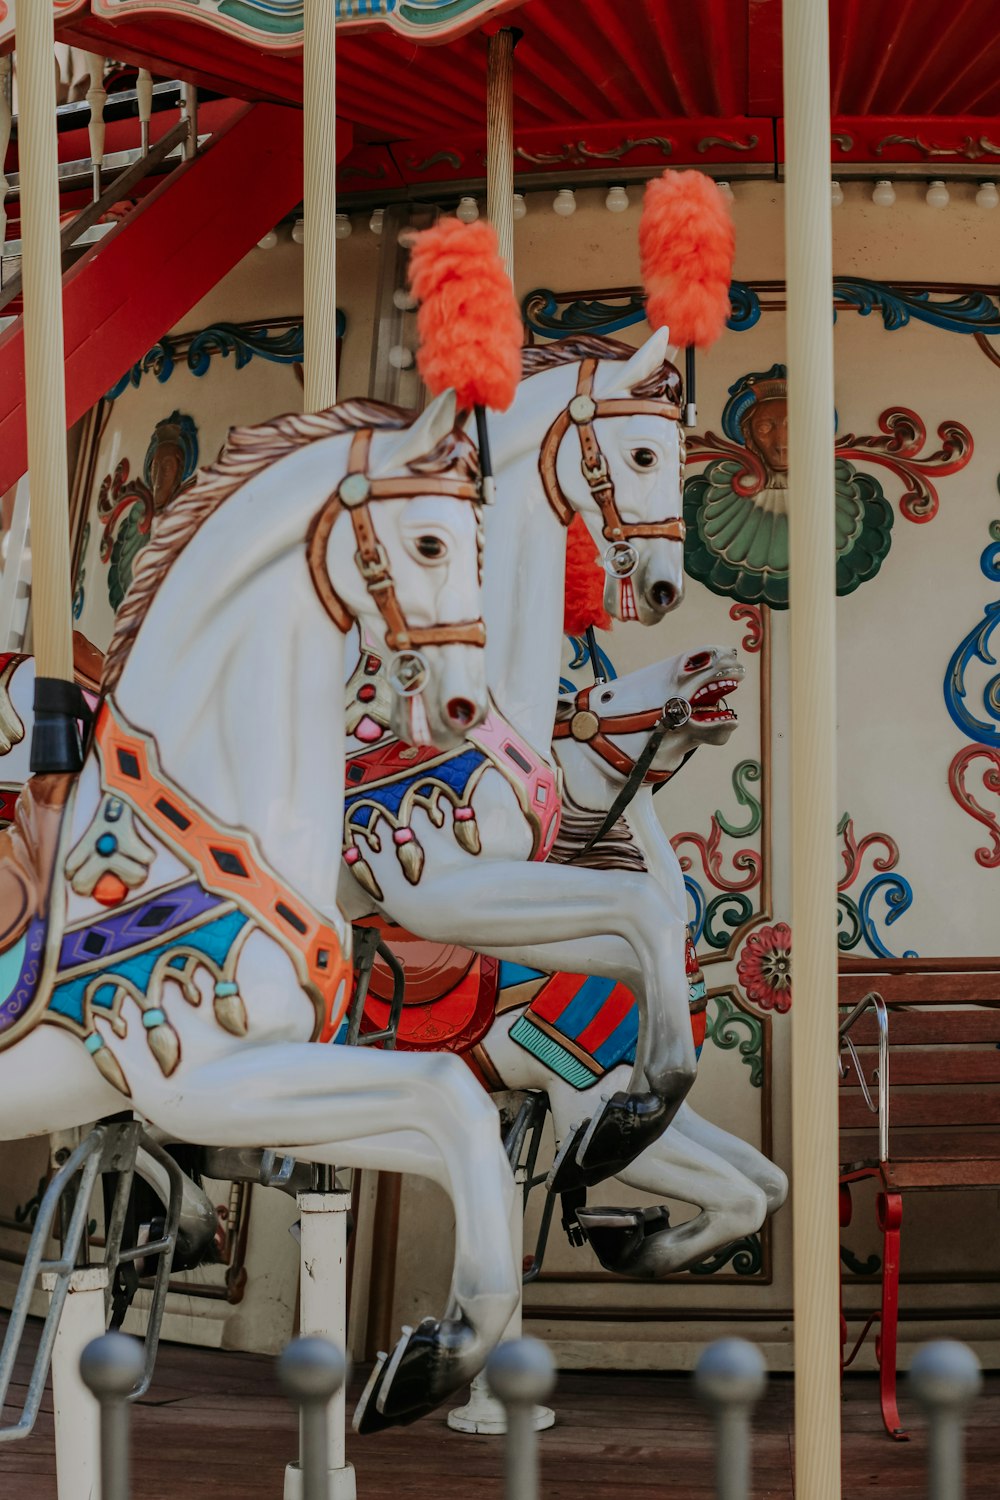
(582, 412)
(356, 493)
(591, 729)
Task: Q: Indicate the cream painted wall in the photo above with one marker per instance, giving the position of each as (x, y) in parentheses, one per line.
(896, 740)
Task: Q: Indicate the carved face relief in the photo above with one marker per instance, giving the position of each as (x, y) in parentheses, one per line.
(765, 430)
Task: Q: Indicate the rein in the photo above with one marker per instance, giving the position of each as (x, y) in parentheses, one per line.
(590, 729)
(356, 493)
(582, 412)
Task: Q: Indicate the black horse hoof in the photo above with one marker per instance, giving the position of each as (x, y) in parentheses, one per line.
(603, 1146)
(617, 1235)
(429, 1363)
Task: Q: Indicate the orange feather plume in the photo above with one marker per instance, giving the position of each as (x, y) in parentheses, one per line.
(584, 598)
(686, 249)
(469, 323)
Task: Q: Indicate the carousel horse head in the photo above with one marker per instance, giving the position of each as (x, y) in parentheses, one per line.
(615, 454)
(612, 721)
(398, 548)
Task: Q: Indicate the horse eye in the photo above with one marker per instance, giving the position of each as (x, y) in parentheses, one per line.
(430, 546)
(607, 697)
(644, 458)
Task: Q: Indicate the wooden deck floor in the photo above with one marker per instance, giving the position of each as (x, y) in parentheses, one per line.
(214, 1423)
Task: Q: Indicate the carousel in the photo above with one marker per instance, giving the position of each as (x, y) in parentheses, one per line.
(501, 341)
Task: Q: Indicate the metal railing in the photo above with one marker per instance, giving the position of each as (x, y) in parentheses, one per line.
(872, 1001)
(112, 177)
(730, 1379)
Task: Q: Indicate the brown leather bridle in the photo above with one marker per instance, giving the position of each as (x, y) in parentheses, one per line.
(582, 412)
(590, 728)
(355, 494)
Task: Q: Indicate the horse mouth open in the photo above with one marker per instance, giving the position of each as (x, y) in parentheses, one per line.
(708, 704)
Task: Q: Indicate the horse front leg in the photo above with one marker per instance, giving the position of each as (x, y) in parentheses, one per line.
(506, 908)
(400, 1112)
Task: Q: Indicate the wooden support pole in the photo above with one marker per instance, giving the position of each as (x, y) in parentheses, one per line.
(814, 737)
(500, 142)
(319, 203)
(45, 388)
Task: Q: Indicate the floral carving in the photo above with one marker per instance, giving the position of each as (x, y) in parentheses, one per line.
(754, 638)
(988, 855)
(764, 967)
(898, 449)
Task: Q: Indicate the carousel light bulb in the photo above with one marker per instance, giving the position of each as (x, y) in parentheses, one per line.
(400, 357)
(836, 194)
(407, 237)
(403, 300)
(269, 240)
(938, 195)
(726, 190)
(299, 231)
(883, 193)
(343, 226)
(520, 207)
(467, 210)
(987, 197)
(375, 222)
(617, 200)
(564, 203)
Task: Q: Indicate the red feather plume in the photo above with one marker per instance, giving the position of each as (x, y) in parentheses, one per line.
(686, 248)
(469, 323)
(584, 598)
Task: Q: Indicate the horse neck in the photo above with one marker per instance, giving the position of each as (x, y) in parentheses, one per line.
(525, 562)
(237, 672)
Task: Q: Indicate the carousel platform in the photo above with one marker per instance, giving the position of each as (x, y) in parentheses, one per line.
(215, 1421)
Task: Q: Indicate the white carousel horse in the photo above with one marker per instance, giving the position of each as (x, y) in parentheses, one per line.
(600, 733)
(169, 933)
(595, 429)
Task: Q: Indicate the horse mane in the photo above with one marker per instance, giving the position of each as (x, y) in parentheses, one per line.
(664, 383)
(617, 850)
(246, 452)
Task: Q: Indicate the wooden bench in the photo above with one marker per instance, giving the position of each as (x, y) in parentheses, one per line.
(919, 1102)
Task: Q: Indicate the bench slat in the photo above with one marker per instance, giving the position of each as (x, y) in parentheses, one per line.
(940, 1065)
(923, 1028)
(919, 1107)
(943, 1174)
(923, 989)
(923, 1145)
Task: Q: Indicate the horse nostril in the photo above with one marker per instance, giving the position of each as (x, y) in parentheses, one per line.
(461, 712)
(662, 595)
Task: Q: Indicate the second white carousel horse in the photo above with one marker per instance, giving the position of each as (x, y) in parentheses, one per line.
(595, 430)
(169, 932)
(600, 733)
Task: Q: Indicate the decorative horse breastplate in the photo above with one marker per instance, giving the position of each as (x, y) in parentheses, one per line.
(387, 780)
(149, 932)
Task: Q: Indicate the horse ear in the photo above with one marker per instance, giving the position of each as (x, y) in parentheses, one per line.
(431, 427)
(646, 360)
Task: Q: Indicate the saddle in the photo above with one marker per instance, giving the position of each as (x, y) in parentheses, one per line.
(27, 855)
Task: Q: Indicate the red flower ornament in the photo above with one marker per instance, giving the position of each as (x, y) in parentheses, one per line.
(765, 967)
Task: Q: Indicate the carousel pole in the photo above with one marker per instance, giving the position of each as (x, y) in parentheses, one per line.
(319, 203)
(814, 736)
(324, 1214)
(483, 1413)
(56, 741)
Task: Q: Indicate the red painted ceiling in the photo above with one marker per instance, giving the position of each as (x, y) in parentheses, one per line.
(602, 61)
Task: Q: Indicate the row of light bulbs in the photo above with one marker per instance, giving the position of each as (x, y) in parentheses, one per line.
(937, 195)
(617, 201)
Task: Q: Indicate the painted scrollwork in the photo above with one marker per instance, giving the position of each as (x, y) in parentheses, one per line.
(988, 855)
(976, 646)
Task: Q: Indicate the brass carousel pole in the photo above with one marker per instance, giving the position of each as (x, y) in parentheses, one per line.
(56, 739)
(319, 203)
(500, 142)
(814, 729)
